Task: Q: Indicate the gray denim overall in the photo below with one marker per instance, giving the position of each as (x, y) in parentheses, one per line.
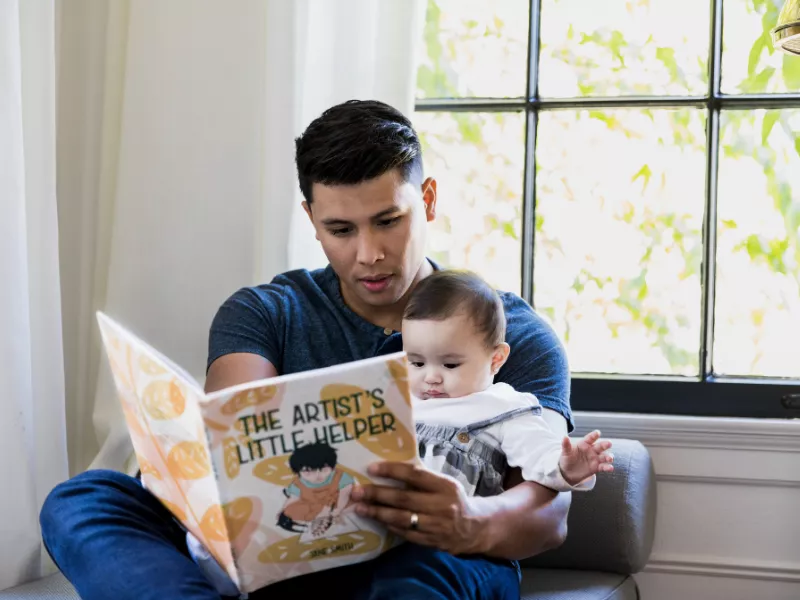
(470, 454)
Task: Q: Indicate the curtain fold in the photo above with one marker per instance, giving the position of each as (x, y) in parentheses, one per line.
(33, 428)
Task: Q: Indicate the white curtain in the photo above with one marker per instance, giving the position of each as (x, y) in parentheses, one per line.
(32, 426)
(176, 177)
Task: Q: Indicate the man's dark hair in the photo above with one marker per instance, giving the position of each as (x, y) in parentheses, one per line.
(312, 456)
(449, 292)
(357, 141)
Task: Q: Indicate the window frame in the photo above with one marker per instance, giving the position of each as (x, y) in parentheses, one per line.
(707, 394)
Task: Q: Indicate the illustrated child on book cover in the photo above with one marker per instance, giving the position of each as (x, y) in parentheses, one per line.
(319, 493)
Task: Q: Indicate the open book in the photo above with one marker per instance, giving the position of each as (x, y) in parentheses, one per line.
(261, 473)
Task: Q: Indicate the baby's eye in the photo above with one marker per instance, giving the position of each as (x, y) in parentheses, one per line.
(451, 365)
(417, 364)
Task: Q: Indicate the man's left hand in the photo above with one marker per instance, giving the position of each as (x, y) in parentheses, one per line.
(444, 515)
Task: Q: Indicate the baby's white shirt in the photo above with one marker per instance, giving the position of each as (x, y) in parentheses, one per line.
(526, 440)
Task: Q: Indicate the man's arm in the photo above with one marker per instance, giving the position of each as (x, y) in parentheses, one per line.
(523, 521)
(236, 368)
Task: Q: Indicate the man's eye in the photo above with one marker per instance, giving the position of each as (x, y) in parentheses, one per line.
(451, 365)
(388, 222)
(340, 232)
(417, 364)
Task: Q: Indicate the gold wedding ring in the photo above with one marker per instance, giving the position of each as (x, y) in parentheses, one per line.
(414, 524)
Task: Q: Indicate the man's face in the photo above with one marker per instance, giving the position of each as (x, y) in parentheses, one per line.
(374, 234)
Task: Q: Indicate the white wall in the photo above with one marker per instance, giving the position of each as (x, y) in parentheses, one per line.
(728, 524)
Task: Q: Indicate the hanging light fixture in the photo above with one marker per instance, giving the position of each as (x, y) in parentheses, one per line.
(786, 35)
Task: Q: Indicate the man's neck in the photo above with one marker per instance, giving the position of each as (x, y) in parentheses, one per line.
(390, 316)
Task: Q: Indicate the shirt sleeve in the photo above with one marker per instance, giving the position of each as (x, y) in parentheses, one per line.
(249, 321)
(531, 445)
(538, 362)
(345, 480)
(293, 490)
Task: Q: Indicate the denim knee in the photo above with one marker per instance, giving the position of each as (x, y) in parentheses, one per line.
(75, 495)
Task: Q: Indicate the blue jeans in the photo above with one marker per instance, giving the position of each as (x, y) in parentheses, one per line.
(113, 539)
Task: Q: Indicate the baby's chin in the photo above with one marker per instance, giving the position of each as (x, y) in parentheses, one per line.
(427, 395)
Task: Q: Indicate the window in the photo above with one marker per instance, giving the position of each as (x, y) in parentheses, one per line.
(632, 169)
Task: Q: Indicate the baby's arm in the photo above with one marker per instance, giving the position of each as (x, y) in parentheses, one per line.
(531, 445)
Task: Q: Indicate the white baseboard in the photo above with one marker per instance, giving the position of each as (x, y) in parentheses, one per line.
(695, 432)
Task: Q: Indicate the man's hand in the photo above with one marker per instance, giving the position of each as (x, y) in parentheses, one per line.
(444, 516)
(586, 458)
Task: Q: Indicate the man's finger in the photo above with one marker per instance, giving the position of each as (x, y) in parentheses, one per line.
(418, 537)
(398, 518)
(390, 496)
(416, 476)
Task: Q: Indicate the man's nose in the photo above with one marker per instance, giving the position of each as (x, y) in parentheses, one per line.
(370, 249)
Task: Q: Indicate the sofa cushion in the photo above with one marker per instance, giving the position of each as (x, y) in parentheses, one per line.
(564, 584)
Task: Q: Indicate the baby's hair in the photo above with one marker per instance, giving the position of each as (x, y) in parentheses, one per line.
(446, 293)
(312, 456)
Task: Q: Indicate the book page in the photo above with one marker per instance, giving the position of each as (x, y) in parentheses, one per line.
(288, 452)
(162, 413)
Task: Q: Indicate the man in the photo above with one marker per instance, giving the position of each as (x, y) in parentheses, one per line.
(360, 170)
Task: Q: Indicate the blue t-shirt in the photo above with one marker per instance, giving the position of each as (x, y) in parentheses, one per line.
(299, 322)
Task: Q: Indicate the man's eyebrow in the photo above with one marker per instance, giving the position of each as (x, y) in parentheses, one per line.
(329, 222)
(384, 213)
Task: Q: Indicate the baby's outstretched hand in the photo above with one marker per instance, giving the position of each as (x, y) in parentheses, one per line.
(582, 459)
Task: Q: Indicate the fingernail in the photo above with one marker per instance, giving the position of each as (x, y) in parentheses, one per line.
(357, 493)
(361, 510)
(373, 469)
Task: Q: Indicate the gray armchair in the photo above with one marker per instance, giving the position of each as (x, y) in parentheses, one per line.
(610, 536)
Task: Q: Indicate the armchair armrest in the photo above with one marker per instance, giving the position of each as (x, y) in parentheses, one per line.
(610, 528)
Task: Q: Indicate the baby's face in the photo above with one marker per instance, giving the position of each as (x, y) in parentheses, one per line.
(447, 359)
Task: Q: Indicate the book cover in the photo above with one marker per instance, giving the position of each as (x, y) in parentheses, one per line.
(261, 473)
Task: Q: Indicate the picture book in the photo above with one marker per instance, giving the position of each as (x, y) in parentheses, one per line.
(261, 473)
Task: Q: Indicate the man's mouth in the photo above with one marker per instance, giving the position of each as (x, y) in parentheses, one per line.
(376, 283)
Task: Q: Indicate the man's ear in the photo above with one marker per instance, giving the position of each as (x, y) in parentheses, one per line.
(499, 357)
(429, 198)
(307, 208)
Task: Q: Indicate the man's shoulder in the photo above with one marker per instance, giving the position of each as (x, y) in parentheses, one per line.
(521, 315)
(292, 287)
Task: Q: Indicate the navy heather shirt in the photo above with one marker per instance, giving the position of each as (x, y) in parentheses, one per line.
(300, 321)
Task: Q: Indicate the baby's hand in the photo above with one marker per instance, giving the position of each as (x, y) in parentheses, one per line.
(585, 458)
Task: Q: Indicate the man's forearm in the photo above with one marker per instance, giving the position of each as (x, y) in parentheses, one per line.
(521, 522)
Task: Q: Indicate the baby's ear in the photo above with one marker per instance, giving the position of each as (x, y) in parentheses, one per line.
(499, 357)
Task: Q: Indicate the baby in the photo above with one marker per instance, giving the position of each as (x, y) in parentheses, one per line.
(469, 427)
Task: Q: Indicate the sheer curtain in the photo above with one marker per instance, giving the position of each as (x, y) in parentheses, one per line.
(32, 427)
(177, 182)
(167, 129)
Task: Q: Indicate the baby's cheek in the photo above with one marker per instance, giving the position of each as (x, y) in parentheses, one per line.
(415, 381)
